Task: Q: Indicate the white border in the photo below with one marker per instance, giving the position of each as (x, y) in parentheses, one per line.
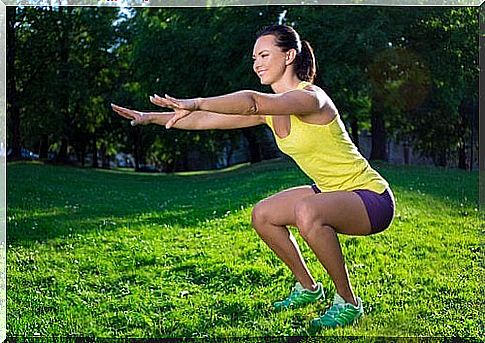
(219, 3)
(138, 3)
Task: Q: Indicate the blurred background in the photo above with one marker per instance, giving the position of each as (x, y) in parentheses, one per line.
(405, 80)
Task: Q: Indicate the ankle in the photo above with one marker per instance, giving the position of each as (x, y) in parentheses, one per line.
(312, 287)
(348, 298)
(351, 300)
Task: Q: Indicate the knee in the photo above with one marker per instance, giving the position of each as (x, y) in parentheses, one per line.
(306, 218)
(259, 215)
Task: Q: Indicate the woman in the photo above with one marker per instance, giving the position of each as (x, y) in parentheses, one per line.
(348, 196)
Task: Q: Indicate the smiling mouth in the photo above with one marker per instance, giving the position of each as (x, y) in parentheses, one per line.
(261, 72)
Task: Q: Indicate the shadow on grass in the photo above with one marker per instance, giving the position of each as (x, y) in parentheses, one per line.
(220, 276)
(46, 202)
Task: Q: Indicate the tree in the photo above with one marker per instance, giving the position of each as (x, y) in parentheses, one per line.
(196, 52)
(12, 94)
(64, 58)
(448, 40)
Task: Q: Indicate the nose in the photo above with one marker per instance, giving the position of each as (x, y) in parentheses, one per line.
(256, 64)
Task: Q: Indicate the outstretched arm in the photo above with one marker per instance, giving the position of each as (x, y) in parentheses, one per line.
(249, 103)
(196, 120)
(256, 103)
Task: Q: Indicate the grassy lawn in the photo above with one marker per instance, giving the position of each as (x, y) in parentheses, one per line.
(119, 254)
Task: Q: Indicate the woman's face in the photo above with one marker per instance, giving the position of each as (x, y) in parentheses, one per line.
(269, 61)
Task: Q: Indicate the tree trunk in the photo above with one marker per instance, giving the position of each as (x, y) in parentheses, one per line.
(229, 152)
(62, 156)
(83, 154)
(466, 110)
(406, 151)
(379, 135)
(64, 14)
(137, 153)
(12, 96)
(106, 161)
(44, 147)
(95, 153)
(104, 157)
(354, 131)
(167, 167)
(82, 142)
(463, 131)
(462, 160)
(473, 117)
(254, 147)
(441, 160)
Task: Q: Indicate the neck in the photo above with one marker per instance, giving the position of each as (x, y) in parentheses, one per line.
(285, 84)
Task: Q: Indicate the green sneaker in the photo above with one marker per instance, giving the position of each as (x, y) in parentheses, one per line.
(339, 314)
(300, 296)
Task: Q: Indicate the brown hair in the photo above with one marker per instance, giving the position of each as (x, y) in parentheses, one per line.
(287, 38)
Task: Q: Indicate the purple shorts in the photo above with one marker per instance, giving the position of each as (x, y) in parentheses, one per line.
(380, 207)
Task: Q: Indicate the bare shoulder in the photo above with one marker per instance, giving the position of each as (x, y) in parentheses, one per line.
(327, 112)
(319, 95)
(315, 89)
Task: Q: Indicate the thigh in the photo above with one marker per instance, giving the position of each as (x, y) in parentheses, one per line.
(279, 208)
(344, 211)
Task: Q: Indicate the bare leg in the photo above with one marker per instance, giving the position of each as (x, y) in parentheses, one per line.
(319, 218)
(270, 217)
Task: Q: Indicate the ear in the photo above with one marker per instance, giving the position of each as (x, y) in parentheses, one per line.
(290, 56)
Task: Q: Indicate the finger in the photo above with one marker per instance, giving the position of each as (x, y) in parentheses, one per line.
(160, 102)
(118, 108)
(126, 114)
(122, 113)
(172, 100)
(157, 101)
(115, 107)
(171, 103)
(172, 121)
(160, 99)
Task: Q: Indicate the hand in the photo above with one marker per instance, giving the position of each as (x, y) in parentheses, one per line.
(176, 104)
(137, 117)
(182, 108)
(177, 115)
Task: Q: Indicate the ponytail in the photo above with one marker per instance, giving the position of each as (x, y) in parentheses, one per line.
(305, 65)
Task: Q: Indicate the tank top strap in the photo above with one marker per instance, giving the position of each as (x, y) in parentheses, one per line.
(303, 84)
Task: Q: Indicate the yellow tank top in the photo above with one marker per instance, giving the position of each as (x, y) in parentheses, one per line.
(328, 156)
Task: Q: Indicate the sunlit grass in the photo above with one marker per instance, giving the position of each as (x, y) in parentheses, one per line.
(118, 254)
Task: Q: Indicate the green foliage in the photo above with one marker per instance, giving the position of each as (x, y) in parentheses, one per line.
(187, 53)
(119, 254)
(448, 44)
(64, 71)
(415, 66)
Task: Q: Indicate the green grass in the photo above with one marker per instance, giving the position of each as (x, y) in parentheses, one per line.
(119, 254)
